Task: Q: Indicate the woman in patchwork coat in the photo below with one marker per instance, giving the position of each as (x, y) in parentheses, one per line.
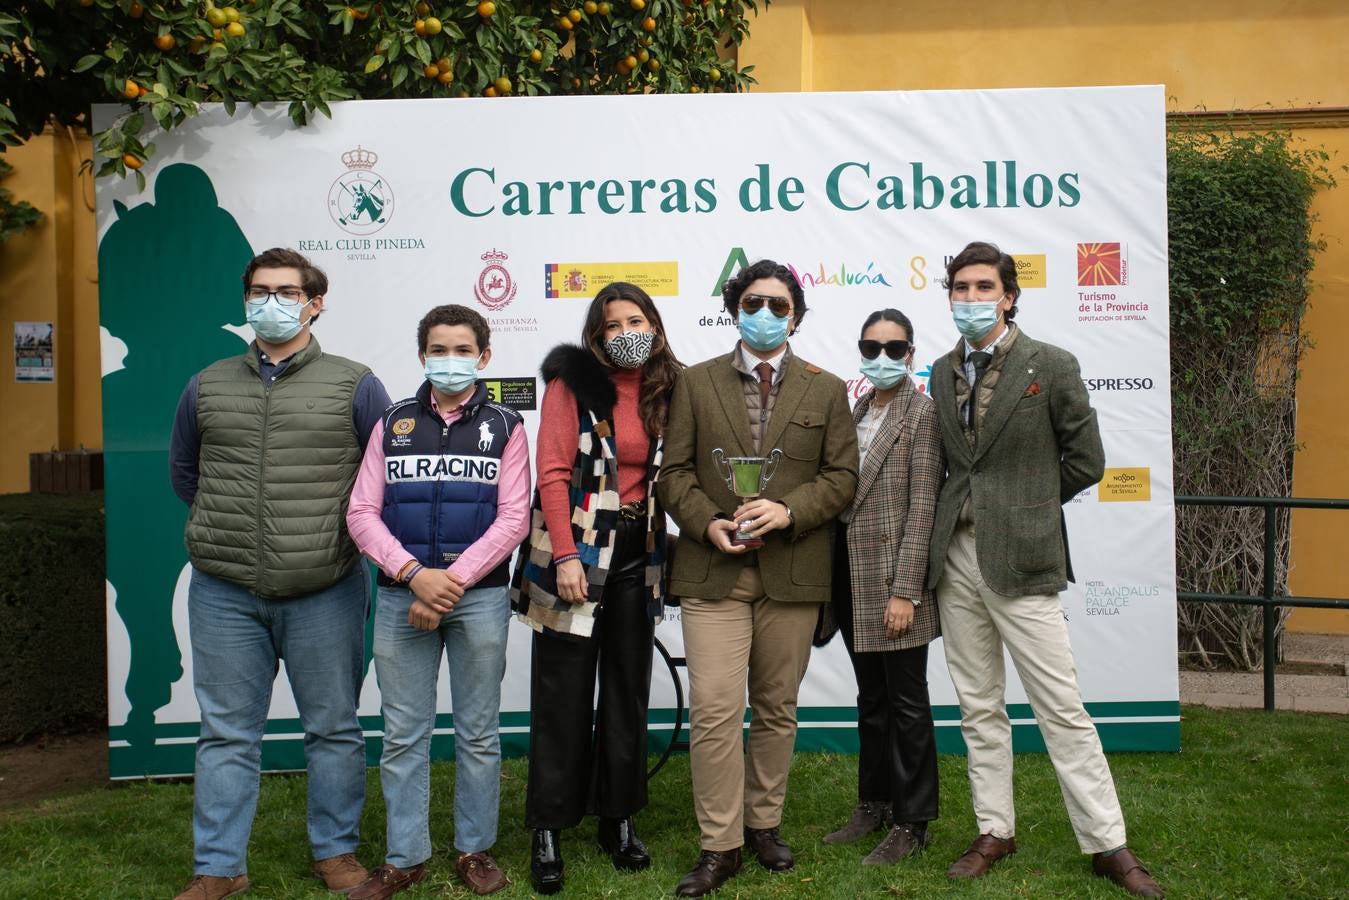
(590, 578)
(886, 616)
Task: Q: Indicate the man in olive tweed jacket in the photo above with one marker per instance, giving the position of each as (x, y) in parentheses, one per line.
(1021, 439)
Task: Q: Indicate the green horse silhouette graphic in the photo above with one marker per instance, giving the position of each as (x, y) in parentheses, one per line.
(364, 201)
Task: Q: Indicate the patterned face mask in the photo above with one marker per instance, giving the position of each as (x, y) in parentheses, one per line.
(631, 349)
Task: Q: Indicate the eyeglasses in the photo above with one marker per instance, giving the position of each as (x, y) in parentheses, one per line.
(286, 296)
(778, 306)
(893, 349)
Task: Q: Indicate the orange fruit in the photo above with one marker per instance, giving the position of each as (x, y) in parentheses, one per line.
(131, 90)
(714, 75)
(648, 24)
(536, 55)
(166, 42)
(216, 17)
(487, 9)
(423, 9)
(638, 5)
(654, 65)
(443, 64)
(433, 26)
(602, 8)
(235, 29)
(430, 70)
(503, 85)
(564, 23)
(351, 12)
(135, 10)
(196, 43)
(591, 7)
(231, 14)
(489, 91)
(132, 162)
(574, 15)
(218, 33)
(419, 26)
(630, 62)
(445, 77)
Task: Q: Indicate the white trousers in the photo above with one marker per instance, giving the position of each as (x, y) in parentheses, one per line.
(976, 623)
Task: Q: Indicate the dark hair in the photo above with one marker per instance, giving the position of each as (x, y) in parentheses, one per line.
(889, 315)
(661, 369)
(764, 268)
(454, 314)
(981, 253)
(312, 279)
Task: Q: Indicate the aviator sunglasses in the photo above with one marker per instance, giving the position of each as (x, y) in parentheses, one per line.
(778, 306)
(893, 349)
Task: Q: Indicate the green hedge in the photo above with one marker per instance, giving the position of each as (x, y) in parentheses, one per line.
(52, 614)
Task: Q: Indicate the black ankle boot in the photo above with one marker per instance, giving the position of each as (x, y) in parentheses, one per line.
(545, 861)
(619, 839)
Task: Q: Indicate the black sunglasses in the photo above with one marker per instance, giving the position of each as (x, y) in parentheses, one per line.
(893, 349)
(778, 306)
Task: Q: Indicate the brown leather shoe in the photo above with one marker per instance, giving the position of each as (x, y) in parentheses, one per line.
(480, 872)
(1123, 868)
(867, 817)
(386, 881)
(770, 849)
(340, 874)
(713, 869)
(213, 887)
(901, 841)
(983, 853)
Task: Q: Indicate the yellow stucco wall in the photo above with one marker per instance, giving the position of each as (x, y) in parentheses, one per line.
(48, 274)
(1237, 54)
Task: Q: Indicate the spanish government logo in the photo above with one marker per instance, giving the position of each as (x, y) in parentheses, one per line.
(360, 200)
(495, 288)
(1101, 264)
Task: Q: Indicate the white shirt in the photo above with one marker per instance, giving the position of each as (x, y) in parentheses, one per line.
(750, 360)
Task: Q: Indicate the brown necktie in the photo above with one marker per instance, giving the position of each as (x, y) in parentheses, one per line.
(765, 373)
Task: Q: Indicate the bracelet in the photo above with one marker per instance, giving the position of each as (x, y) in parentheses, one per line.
(568, 558)
(407, 567)
(413, 574)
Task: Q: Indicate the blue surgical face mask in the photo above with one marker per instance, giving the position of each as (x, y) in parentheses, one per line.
(763, 330)
(975, 318)
(274, 320)
(884, 372)
(452, 374)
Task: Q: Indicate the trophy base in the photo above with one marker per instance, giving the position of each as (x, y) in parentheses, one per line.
(746, 539)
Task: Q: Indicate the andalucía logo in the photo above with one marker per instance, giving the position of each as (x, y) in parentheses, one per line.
(360, 200)
(1100, 264)
(495, 288)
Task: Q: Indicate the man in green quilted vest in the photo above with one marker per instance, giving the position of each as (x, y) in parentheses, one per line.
(265, 449)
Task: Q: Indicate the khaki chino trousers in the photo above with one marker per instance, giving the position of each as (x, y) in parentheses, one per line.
(743, 640)
(976, 624)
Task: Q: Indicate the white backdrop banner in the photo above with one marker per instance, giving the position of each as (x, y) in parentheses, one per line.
(524, 208)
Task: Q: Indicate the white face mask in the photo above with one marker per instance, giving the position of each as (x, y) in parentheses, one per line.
(452, 374)
(631, 349)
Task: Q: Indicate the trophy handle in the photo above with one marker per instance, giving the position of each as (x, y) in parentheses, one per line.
(771, 466)
(724, 467)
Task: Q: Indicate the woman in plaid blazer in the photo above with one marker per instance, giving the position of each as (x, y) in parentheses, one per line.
(886, 616)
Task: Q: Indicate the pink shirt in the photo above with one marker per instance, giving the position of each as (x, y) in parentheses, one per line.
(498, 542)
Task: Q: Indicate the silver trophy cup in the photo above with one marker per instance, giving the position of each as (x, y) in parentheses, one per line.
(746, 477)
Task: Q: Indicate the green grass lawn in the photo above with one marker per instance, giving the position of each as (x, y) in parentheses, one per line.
(1256, 805)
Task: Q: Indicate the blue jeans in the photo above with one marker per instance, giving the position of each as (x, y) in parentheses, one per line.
(237, 640)
(407, 662)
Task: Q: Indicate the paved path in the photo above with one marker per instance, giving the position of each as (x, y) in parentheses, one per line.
(1321, 693)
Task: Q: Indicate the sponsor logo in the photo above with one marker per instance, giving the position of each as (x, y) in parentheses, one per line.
(1102, 264)
(1125, 485)
(403, 426)
(810, 276)
(1103, 599)
(476, 469)
(515, 393)
(486, 437)
(1118, 384)
(1031, 270)
(495, 288)
(568, 280)
(360, 200)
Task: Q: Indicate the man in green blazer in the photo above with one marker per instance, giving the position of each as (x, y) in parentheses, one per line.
(1021, 439)
(748, 614)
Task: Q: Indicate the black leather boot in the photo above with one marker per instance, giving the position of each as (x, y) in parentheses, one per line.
(545, 861)
(619, 839)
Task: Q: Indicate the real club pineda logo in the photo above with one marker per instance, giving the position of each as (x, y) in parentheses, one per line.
(360, 200)
(1102, 264)
(495, 288)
